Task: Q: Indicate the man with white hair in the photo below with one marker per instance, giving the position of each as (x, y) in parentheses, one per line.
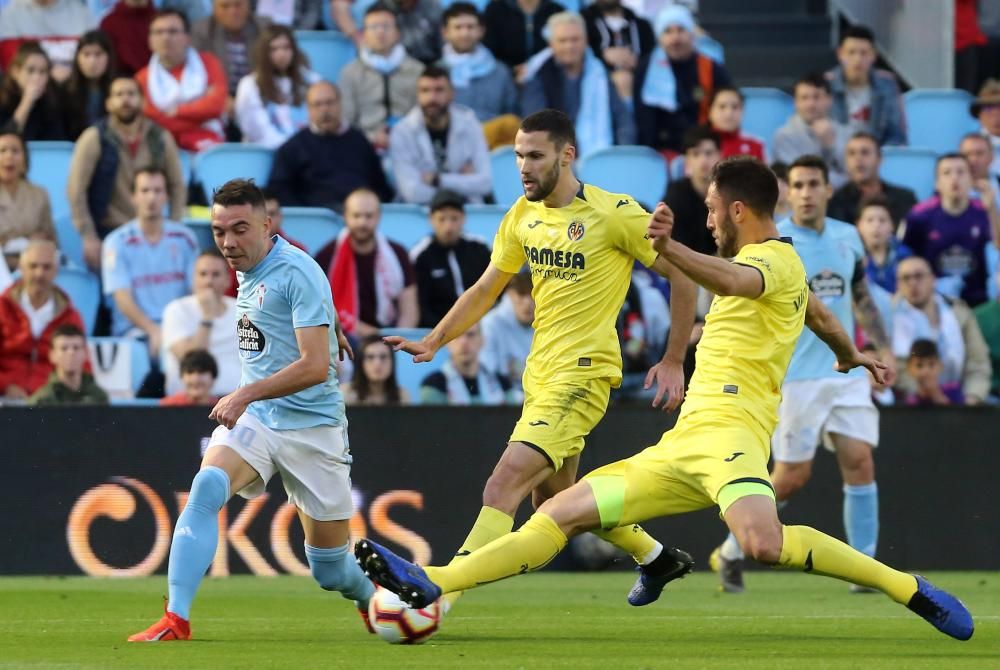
(567, 76)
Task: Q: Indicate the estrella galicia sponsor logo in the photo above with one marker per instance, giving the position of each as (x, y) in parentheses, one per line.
(828, 284)
(555, 263)
(575, 231)
(251, 340)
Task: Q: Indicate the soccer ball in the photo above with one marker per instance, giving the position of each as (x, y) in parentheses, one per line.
(397, 623)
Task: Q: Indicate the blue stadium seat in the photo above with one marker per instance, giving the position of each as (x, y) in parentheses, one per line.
(410, 374)
(328, 51)
(938, 118)
(506, 179)
(70, 242)
(404, 223)
(186, 164)
(312, 226)
(202, 230)
(49, 168)
(483, 221)
(358, 8)
(912, 167)
(635, 170)
(84, 290)
(766, 110)
(215, 166)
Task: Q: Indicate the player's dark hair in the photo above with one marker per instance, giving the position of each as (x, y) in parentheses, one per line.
(727, 89)
(695, 135)
(877, 200)
(239, 192)
(865, 135)
(922, 348)
(780, 170)
(951, 155)
(814, 79)
(858, 32)
(362, 385)
(151, 170)
(67, 330)
(813, 162)
(748, 180)
(172, 12)
(457, 9)
(435, 72)
(521, 283)
(199, 361)
(557, 124)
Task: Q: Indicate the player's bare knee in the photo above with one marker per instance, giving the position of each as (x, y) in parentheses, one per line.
(858, 467)
(503, 492)
(763, 544)
(789, 478)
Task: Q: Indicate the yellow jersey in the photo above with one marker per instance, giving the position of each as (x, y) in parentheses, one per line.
(580, 257)
(747, 344)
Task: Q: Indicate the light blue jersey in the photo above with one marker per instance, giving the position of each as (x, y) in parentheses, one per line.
(830, 259)
(285, 291)
(156, 274)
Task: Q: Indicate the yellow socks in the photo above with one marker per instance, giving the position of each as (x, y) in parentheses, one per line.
(529, 548)
(634, 540)
(808, 549)
(490, 525)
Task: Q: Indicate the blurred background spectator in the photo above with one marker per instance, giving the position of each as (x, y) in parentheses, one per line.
(270, 103)
(320, 165)
(89, 83)
(514, 30)
(986, 109)
(686, 196)
(202, 321)
(988, 318)
(462, 380)
(925, 369)
(507, 332)
(725, 117)
(374, 381)
(29, 99)
(620, 39)
(783, 209)
(69, 383)
(439, 145)
(30, 312)
(862, 159)
(127, 26)
(883, 250)
(56, 24)
(811, 130)
(198, 375)
(978, 152)
(447, 262)
(25, 212)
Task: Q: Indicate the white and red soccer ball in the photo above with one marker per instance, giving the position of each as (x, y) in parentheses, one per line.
(397, 623)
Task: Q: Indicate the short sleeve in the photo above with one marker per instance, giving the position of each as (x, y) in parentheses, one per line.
(114, 266)
(857, 246)
(770, 265)
(628, 230)
(508, 254)
(308, 293)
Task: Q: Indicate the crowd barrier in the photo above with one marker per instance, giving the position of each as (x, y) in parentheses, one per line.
(96, 490)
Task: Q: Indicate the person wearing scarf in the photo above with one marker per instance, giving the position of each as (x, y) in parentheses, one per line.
(462, 380)
(184, 90)
(674, 84)
(567, 76)
(380, 86)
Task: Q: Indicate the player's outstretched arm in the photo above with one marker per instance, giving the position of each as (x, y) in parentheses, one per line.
(310, 369)
(826, 325)
(467, 310)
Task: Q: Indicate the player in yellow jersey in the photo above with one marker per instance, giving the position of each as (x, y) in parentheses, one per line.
(717, 453)
(580, 244)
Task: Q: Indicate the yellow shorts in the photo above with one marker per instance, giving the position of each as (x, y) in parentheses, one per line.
(686, 470)
(558, 415)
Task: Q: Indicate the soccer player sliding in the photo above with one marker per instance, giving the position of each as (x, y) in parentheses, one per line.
(718, 451)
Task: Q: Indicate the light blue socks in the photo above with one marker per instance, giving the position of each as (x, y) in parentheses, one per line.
(336, 570)
(195, 538)
(861, 517)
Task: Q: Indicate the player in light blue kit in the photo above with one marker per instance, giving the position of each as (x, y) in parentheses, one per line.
(818, 403)
(287, 416)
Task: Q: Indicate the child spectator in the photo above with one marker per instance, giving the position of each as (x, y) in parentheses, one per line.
(69, 383)
(89, 83)
(883, 250)
(725, 116)
(925, 368)
(28, 98)
(374, 380)
(198, 373)
(271, 100)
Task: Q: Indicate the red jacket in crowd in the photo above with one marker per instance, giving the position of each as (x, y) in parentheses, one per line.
(128, 28)
(24, 361)
(739, 144)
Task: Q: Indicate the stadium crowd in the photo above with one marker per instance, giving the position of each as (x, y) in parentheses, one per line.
(412, 118)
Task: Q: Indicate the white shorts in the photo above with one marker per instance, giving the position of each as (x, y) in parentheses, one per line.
(314, 463)
(812, 409)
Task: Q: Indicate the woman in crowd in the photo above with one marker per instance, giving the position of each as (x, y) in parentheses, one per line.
(374, 380)
(725, 115)
(25, 212)
(271, 100)
(28, 98)
(88, 85)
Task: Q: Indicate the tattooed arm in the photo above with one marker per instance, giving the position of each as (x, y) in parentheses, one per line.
(868, 317)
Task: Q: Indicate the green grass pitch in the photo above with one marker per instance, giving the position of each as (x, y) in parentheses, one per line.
(549, 620)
